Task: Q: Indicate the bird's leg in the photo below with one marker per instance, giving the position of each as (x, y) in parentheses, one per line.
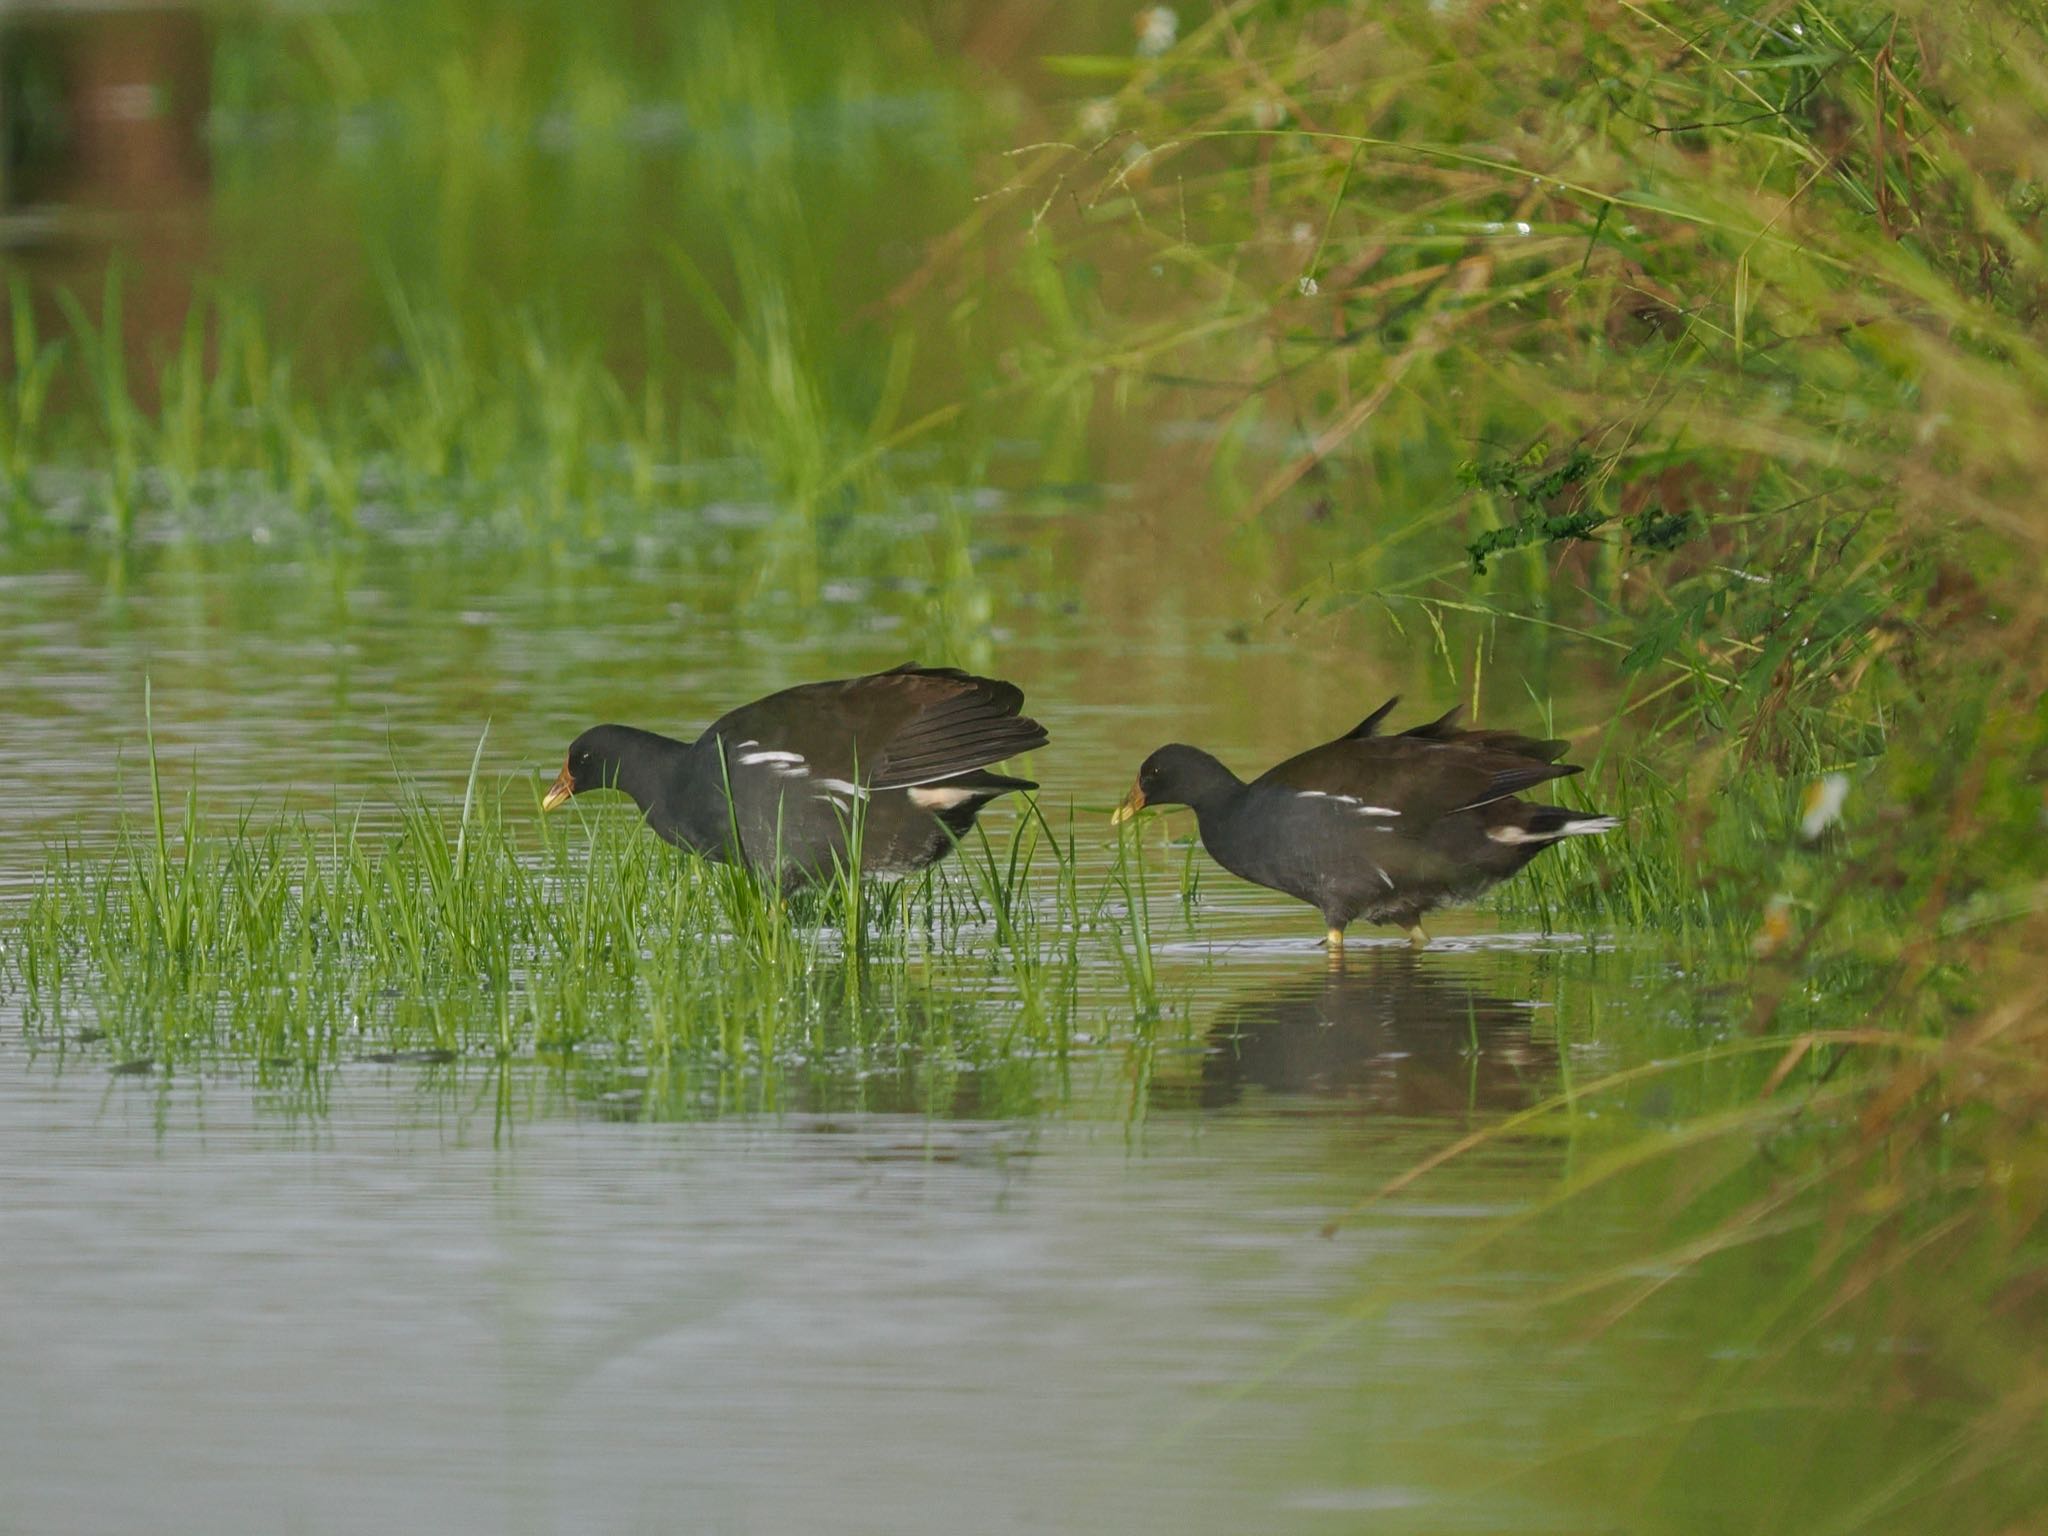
(1417, 939)
(1333, 941)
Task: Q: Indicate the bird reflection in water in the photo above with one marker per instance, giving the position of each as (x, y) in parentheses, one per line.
(1391, 1033)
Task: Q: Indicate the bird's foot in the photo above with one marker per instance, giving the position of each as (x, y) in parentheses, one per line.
(1333, 941)
(1417, 939)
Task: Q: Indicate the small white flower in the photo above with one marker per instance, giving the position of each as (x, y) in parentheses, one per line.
(1268, 113)
(1158, 28)
(1775, 928)
(1308, 286)
(1820, 807)
(1303, 233)
(1098, 118)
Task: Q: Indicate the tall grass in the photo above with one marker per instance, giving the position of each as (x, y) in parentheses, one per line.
(1720, 359)
(1719, 362)
(1717, 342)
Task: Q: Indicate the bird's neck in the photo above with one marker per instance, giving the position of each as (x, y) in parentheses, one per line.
(1209, 817)
(1211, 789)
(698, 809)
(651, 768)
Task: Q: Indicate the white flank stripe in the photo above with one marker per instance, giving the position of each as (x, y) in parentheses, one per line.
(1358, 806)
(795, 759)
(842, 787)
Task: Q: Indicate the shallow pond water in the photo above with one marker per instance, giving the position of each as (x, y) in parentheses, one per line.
(908, 1317)
(1074, 1290)
(457, 1296)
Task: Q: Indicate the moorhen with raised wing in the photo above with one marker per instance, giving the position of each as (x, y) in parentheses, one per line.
(900, 757)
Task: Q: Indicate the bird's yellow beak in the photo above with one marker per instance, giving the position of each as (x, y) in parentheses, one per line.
(1134, 802)
(563, 787)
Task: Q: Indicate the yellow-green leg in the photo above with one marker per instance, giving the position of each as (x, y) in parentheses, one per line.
(1417, 939)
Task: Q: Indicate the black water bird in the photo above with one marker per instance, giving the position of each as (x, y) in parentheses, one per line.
(1380, 827)
(897, 761)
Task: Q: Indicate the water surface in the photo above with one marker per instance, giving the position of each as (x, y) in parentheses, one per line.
(1079, 1290)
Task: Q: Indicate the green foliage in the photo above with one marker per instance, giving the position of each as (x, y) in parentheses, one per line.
(1535, 483)
(1531, 477)
(1778, 284)
(1773, 288)
(495, 932)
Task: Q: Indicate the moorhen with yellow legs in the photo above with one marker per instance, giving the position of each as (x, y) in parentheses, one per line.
(901, 757)
(1380, 827)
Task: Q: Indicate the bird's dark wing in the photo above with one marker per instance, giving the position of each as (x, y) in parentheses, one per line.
(1418, 778)
(1445, 728)
(888, 730)
(1370, 725)
(961, 723)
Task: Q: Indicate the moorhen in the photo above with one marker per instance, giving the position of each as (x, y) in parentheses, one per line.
(911, 745)
(1372, 826)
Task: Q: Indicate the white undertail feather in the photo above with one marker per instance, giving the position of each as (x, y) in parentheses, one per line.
(942, 797)
(1570, 829)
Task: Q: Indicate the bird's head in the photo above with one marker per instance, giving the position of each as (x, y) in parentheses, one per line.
(1176, 775)
(593, 763)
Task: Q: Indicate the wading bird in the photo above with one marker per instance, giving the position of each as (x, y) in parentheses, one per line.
(1379, 827)
(896, 760)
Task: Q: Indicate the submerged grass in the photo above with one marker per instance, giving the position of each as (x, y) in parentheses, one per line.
(493, 931)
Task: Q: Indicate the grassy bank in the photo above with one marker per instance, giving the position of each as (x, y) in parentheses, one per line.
(1719, 343)
(1719, 349)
